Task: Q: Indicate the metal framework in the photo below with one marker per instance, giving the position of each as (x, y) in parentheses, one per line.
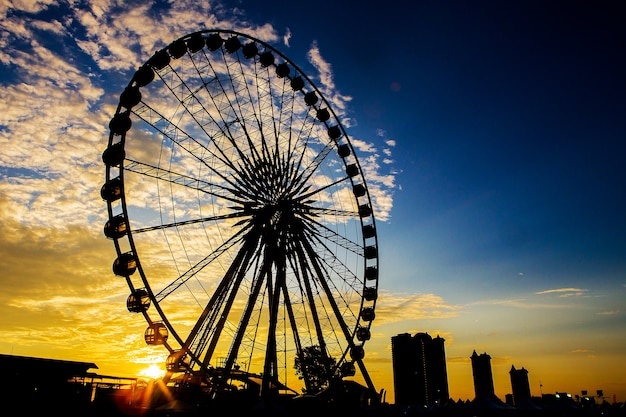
(240, 215)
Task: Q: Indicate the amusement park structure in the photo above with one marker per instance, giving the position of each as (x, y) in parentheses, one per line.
(242, 220)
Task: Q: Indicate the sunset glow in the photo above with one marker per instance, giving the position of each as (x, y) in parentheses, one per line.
(490, 135)
(153, 372)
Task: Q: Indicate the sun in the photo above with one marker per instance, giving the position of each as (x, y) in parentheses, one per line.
(153, 372)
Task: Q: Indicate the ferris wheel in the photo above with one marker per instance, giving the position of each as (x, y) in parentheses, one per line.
(240, 215)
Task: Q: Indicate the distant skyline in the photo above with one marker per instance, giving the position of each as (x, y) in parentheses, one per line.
(492, 135)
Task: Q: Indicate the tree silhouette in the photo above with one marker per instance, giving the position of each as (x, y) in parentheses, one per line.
(315, 367)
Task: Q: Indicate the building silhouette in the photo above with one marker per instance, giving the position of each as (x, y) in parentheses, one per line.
(41, 386)
(483, 378)
(519, 385)
(483, 383)
(419, 370)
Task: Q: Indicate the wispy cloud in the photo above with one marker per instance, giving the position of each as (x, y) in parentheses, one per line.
(517, 303)
(326, 84)
(608, 313)
(24, 6)
(395, 308)
(287, 37)
(380, 184)
(564, 292)
(514, 302)
(536, 303)
(389, 144)
(586, 352)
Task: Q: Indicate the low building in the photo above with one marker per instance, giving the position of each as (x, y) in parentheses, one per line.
(32, 385)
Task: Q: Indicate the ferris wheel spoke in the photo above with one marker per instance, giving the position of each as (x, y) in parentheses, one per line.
(296, 299)
(264, 89)
(259, 157)
(274, 113)
(188, 222)
(203, 119)
(302, 167)
(279, 157)
(257, 283)
(218, 308)
(218, 96)
(350, 282)
(321, 211)
(307, 278)
(243, 99)
(306, 174)
(293, 324)
(180, 137)
(321, 231)
(199, 266)
(321, 189)
(322, 279)
(284, 128)
(247, 165)
(339, 268)
(209, 188)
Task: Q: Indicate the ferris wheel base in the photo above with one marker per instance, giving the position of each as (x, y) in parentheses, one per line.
(342, 398)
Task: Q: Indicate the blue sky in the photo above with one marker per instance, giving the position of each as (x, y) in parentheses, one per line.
(494, 136)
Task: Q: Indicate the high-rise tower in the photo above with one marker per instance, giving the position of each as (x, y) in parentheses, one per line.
(404, 361)
(419, 370)
(483, 379)
(519, 385)
(439, 370)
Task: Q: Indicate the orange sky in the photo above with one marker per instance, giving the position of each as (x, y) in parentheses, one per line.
(60, 299)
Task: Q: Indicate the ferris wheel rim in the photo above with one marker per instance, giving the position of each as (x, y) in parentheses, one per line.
(120, 138)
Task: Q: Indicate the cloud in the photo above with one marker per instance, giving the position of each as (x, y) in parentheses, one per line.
(287, 37)
(521, 303)
(326, 85)
(121, 36)
(398, 307)
(458, 359)
(323, 68)
(564, 292)
(390, 143)
(515, 302)
(608, 313)
(25, 6)
(501, 360)
(58, 286)
(54, 26)
(380, 185)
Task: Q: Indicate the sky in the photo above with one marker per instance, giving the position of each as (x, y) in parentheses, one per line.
(492, 135)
